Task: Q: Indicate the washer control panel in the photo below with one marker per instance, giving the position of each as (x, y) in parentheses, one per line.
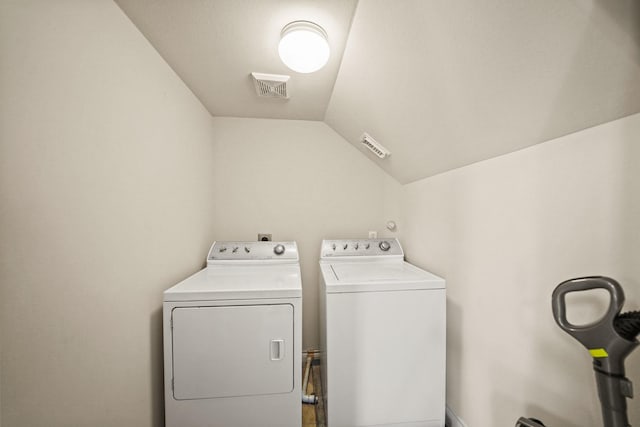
(360, 247)
(228, 251)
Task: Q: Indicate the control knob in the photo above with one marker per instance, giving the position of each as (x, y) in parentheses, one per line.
(384, 245)
(278, 249)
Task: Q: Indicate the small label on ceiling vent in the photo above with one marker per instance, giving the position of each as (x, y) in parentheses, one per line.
(271, 85)
(374, 146)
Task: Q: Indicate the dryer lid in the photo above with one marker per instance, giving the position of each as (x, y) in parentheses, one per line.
(239, 283)
(378, 276)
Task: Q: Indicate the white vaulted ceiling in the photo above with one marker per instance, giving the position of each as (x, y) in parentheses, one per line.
(440, 83)
(447, 83)
(214, 45)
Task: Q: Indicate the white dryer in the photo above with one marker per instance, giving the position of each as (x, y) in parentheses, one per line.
(233, 339)
(383, 337)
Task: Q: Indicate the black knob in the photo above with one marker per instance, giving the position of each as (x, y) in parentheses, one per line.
(384, 245)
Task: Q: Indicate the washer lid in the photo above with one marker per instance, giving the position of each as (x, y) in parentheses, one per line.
(377, 276)
(241, 282)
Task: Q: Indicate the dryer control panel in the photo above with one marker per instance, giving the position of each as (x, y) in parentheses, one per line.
(361, 248)
(253, 251)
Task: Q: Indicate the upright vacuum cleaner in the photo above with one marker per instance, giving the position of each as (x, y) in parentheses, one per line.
(609, 341)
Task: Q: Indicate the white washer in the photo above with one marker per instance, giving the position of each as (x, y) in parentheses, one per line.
(233, 339)
(383, 337)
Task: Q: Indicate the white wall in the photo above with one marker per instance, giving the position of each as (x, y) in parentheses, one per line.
(105, 181)
(298, 180)
(504, 233)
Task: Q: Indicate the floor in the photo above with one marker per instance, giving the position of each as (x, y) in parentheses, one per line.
(313, 415)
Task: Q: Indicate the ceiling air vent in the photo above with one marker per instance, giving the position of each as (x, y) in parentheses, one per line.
(271, 85)
(374, 146)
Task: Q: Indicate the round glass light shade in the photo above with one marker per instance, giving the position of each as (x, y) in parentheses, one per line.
(303, 46)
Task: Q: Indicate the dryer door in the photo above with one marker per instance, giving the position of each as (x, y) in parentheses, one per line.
(227, 351)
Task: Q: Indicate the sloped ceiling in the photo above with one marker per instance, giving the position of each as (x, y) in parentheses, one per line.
(440, 83)
(447, 83)
(214, 45)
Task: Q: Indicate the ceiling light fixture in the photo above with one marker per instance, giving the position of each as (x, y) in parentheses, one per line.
(303, 46)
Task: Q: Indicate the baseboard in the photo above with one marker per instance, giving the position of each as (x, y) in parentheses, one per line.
(452, 420)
